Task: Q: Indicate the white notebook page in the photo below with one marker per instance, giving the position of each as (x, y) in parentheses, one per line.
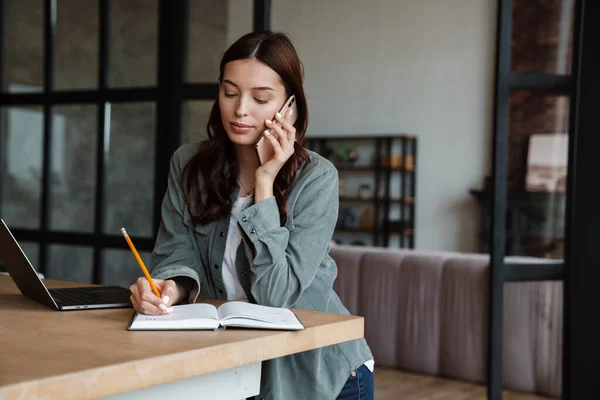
(239, 309)
(182, 312)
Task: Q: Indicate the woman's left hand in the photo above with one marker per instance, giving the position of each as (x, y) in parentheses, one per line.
(282, 137)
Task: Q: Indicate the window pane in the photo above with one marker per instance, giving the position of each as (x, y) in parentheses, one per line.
(70, 263)
(23, 46)
(212, 27)
(31, 251)
(22, 166)
(542, 36)
(538, 152)
(537, 175)
(119, 267)
(133, 42)
(195, 118)
(74, 168)
(531, 113)
(76, 44)
(131, 169)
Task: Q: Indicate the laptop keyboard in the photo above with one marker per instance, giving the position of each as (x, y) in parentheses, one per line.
(76, 296)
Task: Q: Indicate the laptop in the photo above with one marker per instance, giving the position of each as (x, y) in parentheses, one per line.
(29, 283)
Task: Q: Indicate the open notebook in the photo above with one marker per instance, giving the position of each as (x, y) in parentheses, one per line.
(206, 316)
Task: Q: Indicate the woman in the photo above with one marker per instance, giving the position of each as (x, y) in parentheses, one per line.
(233, 229)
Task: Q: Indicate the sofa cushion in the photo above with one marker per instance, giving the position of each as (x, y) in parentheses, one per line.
(427, 312)
(464, 311)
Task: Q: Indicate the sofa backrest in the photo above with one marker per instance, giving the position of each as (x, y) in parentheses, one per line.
(427, 312)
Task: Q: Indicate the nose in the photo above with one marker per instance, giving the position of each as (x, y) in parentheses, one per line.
(241, 109)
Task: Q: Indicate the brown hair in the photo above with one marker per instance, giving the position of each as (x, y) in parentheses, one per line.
(215, 164)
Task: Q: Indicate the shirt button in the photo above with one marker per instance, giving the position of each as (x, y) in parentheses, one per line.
(221, 291)
(353, 373)
(222, 234)
(253, 231)
(216, 266)
(244, 218)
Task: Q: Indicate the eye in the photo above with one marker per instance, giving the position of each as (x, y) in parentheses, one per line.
(259, 101)
(230, 95)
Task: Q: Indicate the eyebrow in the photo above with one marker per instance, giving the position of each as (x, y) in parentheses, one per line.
(254, 88)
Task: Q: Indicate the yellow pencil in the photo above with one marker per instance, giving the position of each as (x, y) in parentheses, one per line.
(139, 260)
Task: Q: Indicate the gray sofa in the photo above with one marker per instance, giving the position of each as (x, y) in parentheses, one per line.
(427, 312)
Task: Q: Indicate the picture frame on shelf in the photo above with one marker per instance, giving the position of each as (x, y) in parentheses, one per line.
(547, 163)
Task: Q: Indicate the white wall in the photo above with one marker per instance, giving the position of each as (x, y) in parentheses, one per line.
(239, 19)
(404, 66)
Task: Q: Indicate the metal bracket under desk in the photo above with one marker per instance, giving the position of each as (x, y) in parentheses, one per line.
(231, 384)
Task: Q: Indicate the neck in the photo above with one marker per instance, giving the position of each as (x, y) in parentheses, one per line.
(247, 164)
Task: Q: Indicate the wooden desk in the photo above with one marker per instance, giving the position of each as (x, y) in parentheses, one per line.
(90, 353)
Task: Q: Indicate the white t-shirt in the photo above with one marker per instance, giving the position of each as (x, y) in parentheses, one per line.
(231, 280)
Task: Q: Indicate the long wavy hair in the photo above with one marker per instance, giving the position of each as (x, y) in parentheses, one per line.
(209, 178)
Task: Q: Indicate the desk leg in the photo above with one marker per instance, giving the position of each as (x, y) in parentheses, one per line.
(232, 384)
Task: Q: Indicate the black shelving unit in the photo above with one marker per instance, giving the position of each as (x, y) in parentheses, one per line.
(384, 165)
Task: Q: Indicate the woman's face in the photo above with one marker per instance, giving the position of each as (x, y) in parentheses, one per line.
(251, 92)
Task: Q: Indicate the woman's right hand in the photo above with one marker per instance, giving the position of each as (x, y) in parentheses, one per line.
(144, 300)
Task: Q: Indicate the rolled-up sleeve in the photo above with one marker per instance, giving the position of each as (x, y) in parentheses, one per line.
(173, 253)
(287, 260)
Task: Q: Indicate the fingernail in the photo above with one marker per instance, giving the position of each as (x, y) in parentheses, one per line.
(269, 121)
(290, 111)
(267, 133)
(170, 309)
(278, 115)
(165, 299)
(162, 307)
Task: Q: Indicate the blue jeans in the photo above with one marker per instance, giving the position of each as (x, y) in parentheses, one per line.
(360, 385)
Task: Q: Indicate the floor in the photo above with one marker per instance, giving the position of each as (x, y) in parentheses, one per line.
(391, 384)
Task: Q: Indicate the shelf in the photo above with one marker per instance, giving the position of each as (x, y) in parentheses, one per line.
(387, 165)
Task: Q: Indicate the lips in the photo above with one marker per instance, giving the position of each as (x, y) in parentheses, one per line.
(240, 125)
(240, 128)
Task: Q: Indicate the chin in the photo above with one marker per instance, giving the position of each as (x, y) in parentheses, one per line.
(244, 140)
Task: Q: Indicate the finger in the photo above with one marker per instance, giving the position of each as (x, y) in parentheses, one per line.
(170, 292)
(289, 133)
(150, 309)
(150, 298)
(273, 140)
(283, 136)
(134, 303)
(133, 288)
(142, 306)
(285, 122)
(135, 292)
(275, 129)
(143, 285)
(146, 293)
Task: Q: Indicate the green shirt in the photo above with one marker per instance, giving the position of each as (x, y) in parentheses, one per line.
(291, 268)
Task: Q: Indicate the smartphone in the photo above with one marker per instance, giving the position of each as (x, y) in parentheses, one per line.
(264, 149)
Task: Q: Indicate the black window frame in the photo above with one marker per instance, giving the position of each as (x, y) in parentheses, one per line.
(581, 329)
(169, 94)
